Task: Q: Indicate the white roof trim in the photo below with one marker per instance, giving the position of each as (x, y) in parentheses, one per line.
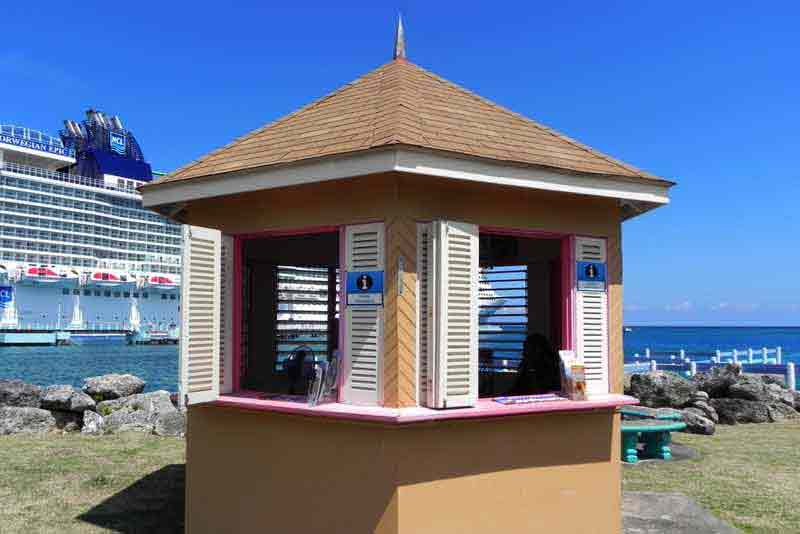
(410, 161)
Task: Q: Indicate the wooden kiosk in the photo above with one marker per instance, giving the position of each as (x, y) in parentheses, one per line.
(425, 237)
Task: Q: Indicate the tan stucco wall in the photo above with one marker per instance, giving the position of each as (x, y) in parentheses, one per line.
(399, 200)
(264, 472)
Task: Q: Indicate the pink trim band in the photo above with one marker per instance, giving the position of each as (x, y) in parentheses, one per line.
(485, 409)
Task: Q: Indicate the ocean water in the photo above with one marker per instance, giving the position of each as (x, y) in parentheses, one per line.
(158, 364)
(710, 339)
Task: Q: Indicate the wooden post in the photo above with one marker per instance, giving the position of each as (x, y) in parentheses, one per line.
(778, 355)
(653, 366)
(790, 378)
(692, 368)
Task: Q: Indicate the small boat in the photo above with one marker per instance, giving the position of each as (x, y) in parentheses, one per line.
(628, 329)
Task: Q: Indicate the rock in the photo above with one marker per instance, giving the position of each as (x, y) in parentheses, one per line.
(170, 424)
(25, 420)
(774, 379)
(92, 423)
(673, 513)
(700, 396)
(18, 393)
(751, 387)
(779, 411)
(733, 411)
(126, 420)
(112, 386)
(796, 396)
(141, 412)
(708, 411)
(780, 394)
(67, 421)
(66, 398)
(717, 380)
(154, 402)
(697, 422)
(661, 389)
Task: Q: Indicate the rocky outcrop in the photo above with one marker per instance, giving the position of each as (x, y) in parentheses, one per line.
(662, 390)
(721, 395)
(149, 412)
(18, 393)
(717, 380)
(66, 398)
(697, 422)
(64, 408)
(25, 420)
(112, 386)
(734, 411)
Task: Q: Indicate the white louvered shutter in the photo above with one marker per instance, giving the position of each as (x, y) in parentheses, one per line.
(365, 251)
(226, 315)
(200, 322)
(592, 319)
(423, 313)
(453, 322)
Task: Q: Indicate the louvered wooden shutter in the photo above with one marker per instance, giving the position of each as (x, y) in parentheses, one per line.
(364, 251)
(423, 313)
(200, 318)
(226, 315)
(592, 319)
(453, 322)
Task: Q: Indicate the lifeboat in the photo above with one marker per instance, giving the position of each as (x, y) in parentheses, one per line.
(160, 281)
(109, 278)
(42, 274)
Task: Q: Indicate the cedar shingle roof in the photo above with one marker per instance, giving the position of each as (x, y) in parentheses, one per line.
(401, 103)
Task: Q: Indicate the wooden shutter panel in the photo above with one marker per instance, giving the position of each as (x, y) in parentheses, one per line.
(200, 318)
(453, 323)
(226, 315)
(423, 314)
(364, 251)
(592, 319)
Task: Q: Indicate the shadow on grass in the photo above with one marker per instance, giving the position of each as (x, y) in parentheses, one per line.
(154, 503)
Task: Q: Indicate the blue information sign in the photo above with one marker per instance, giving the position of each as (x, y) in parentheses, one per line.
(591, 276)
(365, 288)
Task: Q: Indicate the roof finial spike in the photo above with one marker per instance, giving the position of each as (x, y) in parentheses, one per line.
(400, 39)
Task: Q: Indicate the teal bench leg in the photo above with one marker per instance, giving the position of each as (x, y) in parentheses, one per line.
(629, 453)
(656, 445)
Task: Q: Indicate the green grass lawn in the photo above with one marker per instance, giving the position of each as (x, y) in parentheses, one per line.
(748, 475)
(72, 483)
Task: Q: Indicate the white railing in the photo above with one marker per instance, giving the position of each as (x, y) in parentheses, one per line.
(760, 361)
(76, 179)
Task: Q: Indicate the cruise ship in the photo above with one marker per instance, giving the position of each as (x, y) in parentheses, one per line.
(78, 252)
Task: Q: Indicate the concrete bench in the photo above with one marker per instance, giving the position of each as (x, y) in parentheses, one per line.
(654, 433)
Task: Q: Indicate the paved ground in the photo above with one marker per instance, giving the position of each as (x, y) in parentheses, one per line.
(645, 512)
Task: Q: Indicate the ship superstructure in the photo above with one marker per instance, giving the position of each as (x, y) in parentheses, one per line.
(77, 249)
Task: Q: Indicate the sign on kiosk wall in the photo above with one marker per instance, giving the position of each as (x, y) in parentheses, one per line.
(365, 288)
(364, 263)
(591, 311)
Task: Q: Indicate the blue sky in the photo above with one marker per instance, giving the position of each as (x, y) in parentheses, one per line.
(705, 93)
